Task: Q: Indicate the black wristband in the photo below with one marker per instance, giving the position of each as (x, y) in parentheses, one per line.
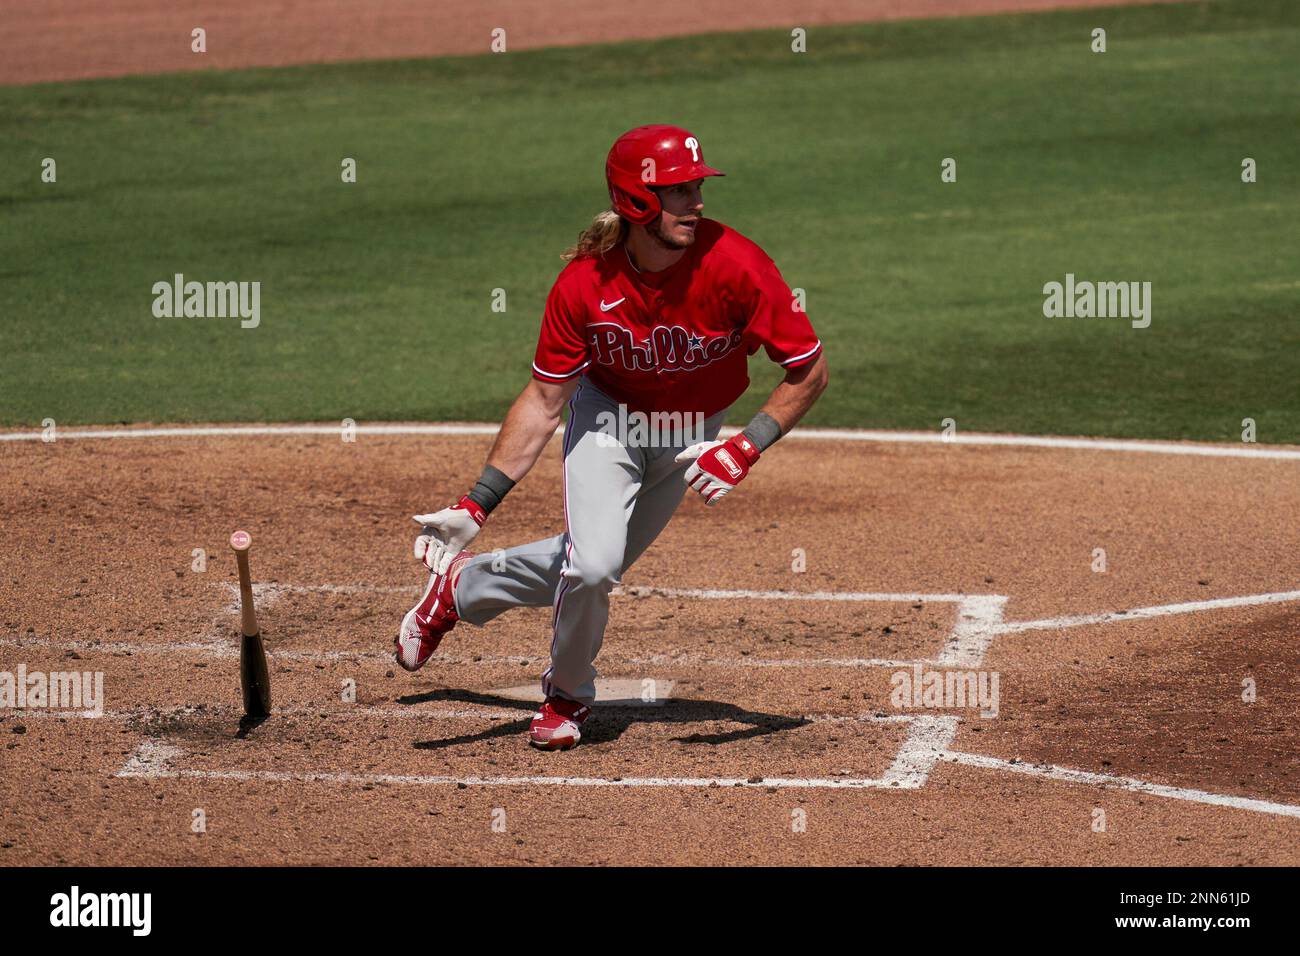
(490, 489)
(763, 431)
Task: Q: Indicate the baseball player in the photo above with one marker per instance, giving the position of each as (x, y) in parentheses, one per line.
(655, 315)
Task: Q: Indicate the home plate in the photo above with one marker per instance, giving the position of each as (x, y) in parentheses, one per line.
(612, 692)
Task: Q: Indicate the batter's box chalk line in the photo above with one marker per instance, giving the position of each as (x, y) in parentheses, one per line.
(977, 615)
(927, 737)
(978, 621)
(153, 759)
(977, 626)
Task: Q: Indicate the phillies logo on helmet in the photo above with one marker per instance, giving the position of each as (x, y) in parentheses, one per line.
(651, 156)
(671, 348)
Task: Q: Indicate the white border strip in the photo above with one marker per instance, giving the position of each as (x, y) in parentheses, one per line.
(1204, 449)
(1145, 613)
(978, 622)
(281, 776)
(219, 431)
(723, 594)
(230, 648)
(910, 770)
(922, 750)
(470, 711)
(978, 619)
(928, 741)
(1067, 775)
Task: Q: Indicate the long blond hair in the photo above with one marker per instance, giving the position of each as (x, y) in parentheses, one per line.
(606, 231)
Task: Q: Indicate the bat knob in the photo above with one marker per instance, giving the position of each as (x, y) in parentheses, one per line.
(241, 540)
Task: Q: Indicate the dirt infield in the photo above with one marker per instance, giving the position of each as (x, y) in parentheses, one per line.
(79, 39)
(779, 742)
(1122, 733)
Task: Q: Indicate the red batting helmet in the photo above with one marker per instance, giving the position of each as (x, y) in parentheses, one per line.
(651, 156)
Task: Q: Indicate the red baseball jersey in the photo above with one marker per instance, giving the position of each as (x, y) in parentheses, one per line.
(676, 340)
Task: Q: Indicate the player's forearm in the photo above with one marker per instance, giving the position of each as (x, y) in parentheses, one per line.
(791, 399)
(529, 425)
(719, 466)
(527, 428)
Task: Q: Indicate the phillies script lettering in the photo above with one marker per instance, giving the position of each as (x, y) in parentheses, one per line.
(671, 348)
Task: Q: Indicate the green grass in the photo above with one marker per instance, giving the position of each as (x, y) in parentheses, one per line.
(475, 172)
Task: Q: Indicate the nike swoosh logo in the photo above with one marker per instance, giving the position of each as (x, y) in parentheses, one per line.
(606, 308)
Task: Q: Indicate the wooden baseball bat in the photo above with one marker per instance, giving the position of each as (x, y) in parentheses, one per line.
(254, 679)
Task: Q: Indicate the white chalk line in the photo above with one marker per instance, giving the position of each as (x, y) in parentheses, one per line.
(976, 612)
(1146, 613)
(1050, 772)
(471, 712)
(1204, 449)
(227, 650)
(694, 660)
(927, 737)
(925, 746)
(271, 590)
(713, 594)
(248, 431)
(282, 776)
(266, 594)
(150, 759)
(230, 712)
(978, 621)
(974, 631)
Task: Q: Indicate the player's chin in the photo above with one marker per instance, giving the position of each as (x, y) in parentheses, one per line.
(681, 236)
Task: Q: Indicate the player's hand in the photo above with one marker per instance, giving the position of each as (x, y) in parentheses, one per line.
(444, 534)
(718, 466)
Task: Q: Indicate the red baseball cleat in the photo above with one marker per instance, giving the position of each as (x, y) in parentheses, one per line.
(431, 618)
(557, 725)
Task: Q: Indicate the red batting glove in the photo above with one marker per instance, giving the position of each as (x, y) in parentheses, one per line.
(718, 466)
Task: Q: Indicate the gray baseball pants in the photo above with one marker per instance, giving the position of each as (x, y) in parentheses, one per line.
(618, 496)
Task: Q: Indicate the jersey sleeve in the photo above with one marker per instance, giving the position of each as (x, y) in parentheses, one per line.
(562, 344)
(774, 319)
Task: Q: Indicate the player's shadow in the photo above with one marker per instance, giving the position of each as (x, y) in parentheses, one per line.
(608, 723)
